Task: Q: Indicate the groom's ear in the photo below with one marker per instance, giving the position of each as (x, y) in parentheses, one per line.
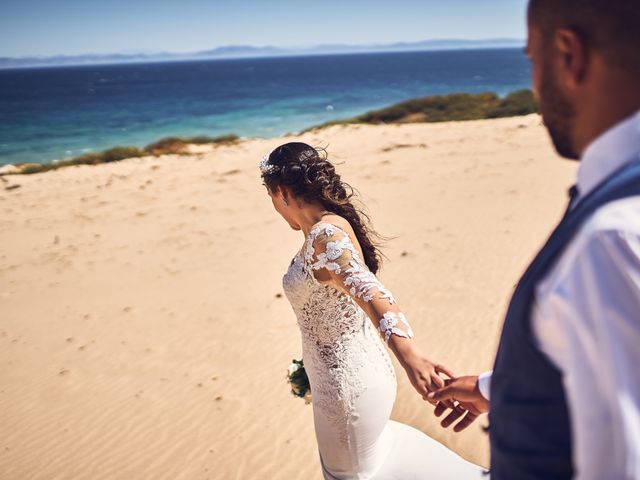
(573, 57)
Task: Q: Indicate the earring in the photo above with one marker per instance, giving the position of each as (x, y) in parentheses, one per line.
(286, 204)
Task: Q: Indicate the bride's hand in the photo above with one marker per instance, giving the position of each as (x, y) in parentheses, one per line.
(424, 375)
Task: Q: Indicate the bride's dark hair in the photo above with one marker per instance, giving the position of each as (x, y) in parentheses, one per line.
(306, 171)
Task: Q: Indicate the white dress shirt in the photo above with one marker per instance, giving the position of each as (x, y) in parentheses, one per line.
(586, 318)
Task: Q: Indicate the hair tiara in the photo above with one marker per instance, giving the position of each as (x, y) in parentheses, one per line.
(267, 168)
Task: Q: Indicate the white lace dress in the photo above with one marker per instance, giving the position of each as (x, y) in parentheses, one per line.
(352, 379)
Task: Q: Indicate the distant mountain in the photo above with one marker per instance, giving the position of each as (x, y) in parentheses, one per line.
(242, 51)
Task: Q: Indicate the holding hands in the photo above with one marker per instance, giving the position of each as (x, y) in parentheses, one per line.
(459, 397)
(464, 393)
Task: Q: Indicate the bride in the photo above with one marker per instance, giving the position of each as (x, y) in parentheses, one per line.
(332, 287)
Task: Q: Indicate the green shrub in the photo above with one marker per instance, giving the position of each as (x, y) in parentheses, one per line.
(166, 145)
(87, 159)
(444, 108)
(521, 102)
(112, 155)
(120, 153)
(38, 168)
(457, 106)
(224, 139)
(170, 145)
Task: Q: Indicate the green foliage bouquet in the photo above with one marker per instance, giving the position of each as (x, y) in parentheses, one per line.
(297, 378)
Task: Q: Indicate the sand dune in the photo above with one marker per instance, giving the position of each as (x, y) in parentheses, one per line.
(143, 333)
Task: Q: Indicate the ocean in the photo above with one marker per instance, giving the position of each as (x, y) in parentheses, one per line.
(60, 112)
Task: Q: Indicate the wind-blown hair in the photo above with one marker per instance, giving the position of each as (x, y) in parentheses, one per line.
(310, 176)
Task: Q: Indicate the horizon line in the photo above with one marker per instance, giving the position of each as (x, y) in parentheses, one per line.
(186, 58)
(292, 48)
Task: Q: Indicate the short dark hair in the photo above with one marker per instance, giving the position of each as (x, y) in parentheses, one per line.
(609, 26)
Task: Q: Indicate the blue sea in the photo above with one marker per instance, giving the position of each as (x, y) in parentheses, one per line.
(60, 112)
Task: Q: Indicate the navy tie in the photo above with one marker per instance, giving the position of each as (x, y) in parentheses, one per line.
(573, 196)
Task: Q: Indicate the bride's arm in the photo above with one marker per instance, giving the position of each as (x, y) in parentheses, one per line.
(336, 261)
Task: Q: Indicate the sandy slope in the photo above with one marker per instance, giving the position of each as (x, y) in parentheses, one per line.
(142, 329)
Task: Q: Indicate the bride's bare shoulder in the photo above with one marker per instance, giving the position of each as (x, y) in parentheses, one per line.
(336, 220)
(340, 222)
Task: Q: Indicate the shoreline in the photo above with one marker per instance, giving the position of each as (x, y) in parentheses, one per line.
(430, 109)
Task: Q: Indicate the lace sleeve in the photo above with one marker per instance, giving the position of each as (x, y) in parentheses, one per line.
(331, 249)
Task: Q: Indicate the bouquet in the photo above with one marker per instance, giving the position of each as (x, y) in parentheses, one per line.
(297, 378)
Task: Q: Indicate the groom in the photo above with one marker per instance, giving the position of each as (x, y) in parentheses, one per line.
(564, 394)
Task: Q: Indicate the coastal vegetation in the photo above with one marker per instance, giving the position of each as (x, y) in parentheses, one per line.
(168, 145)
(438, 108)
(446, 108)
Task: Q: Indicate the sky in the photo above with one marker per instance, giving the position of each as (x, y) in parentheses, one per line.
(71, 27)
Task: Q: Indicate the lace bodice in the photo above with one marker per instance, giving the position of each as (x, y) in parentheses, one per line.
(330, 248)
(340, 343)
(324, 313)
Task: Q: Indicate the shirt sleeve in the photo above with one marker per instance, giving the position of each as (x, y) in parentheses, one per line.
(484, 384)
(588, 323)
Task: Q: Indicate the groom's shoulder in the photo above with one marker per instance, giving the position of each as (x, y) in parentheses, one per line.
(612, 232)
(622, 216)
(613, 226)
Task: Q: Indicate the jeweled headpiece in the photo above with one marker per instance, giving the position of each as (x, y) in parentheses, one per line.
(265, 167)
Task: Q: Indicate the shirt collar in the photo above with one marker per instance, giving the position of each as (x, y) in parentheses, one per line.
(610, 151)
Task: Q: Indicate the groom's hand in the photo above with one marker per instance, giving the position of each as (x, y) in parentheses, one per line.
(471, 403)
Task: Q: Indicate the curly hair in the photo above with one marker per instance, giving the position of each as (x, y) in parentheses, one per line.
(310, 176)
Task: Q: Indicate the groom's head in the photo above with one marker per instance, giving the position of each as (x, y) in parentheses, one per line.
(586, 66)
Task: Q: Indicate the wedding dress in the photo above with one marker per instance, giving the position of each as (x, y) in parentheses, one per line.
(353, 383)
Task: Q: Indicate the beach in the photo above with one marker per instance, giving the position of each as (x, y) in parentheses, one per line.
(143, 328)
